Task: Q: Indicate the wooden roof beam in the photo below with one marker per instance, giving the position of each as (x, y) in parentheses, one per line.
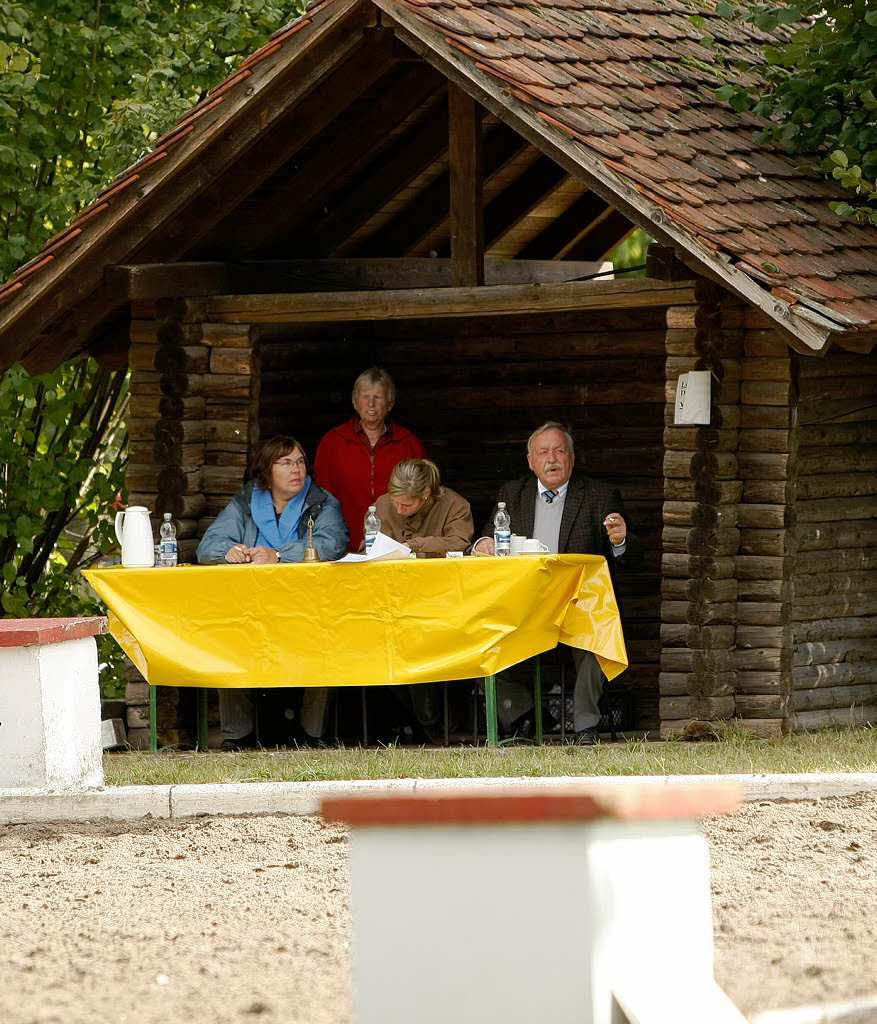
(466, 171)
(297, 126)
(601, 237)
(147, 282)
(561, 235)
(414, 303)
(432, 205)
(275, 216)
(383, 179)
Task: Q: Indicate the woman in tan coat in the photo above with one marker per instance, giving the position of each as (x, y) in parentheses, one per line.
(431, 520)
(419, 512)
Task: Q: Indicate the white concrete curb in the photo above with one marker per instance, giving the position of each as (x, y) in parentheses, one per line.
(19, 806)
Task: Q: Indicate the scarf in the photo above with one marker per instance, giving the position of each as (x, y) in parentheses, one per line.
(271, 533)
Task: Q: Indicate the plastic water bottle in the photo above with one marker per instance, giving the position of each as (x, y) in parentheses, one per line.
(167, 549)
(502, 531)
(372, 527)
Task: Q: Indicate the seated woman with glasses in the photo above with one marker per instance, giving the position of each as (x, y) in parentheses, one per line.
(267, 521)
(264, 524)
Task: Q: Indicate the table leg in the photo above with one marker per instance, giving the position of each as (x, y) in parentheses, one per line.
(153, 727)
(364, 718)
(490, 711)
(537, 701)
(201, 718)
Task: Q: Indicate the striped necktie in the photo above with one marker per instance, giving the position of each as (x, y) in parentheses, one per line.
(549, 496)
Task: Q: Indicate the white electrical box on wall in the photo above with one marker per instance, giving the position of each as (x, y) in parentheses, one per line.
(693, 393)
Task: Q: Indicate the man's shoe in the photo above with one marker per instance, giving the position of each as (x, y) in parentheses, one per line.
(248, 742)
(587, 737)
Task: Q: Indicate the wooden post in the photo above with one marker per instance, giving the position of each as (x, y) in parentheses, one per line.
(467, 213)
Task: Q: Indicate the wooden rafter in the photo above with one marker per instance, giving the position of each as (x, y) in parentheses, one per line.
(601, 237)
(383, 179)
(402, 232)
(344, 154)
(300, 123)
(466, 173)
(560, 236)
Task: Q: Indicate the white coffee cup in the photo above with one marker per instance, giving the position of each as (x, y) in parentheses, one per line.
(517, 544)
(533, 546)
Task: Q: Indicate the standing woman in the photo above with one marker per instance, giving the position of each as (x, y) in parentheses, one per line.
(266, 523)
(355, 459)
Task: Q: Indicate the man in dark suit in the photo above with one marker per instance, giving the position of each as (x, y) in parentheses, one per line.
(571, 515)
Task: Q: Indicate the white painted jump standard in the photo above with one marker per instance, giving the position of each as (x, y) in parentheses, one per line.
(50, 727)
(523, 908)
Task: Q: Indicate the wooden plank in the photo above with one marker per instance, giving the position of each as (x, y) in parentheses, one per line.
(761, 705)
(466, 173)
(340, 157)
(405, 304)
(563, 232)
(521, 197)
(846, 717)
(812, 677)
(334, 233)
(420, 218)
(835, 652)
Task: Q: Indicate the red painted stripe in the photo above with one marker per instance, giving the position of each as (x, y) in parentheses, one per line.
(30, 632)
(626, 803)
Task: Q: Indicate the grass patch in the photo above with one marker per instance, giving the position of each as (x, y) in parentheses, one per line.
(836, 750)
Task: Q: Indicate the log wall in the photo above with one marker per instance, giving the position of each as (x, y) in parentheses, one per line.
(474, 389)
(833, 612)
(194, 403)
(701, 535)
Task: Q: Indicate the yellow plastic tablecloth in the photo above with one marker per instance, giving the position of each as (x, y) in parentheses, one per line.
(344, 624)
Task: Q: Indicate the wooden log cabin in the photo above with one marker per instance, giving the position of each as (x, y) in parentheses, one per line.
(433, 186)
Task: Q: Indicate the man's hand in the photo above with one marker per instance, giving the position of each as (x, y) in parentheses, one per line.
(263, 556)
(485, 546)
(237, 554)
(616, 528)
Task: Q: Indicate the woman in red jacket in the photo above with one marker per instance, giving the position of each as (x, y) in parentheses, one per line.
(354, 460)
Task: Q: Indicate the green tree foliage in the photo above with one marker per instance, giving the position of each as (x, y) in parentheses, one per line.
(822, 90)
(61, 466)
(87, 85)
(85, 88)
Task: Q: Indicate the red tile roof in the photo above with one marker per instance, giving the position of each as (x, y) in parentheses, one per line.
(633, 84)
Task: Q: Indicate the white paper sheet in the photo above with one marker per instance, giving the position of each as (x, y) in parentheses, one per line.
(382, 549)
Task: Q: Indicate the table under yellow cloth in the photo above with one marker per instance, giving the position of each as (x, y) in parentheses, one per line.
(345, 624)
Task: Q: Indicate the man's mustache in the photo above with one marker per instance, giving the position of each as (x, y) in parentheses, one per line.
(552, 465)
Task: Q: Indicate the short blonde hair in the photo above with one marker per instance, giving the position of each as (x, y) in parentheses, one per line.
(551, 425)
(375, 377)
(416, 477)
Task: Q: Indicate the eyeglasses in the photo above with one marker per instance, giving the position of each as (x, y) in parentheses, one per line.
(298, 463)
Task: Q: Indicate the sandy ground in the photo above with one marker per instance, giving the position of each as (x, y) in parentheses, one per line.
(242, 919)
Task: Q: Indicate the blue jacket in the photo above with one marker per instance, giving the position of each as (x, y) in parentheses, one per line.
(235, 525)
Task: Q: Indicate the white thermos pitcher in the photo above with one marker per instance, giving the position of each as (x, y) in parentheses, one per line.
(135, 535)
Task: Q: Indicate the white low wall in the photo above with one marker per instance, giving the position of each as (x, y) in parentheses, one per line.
(50, 732)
